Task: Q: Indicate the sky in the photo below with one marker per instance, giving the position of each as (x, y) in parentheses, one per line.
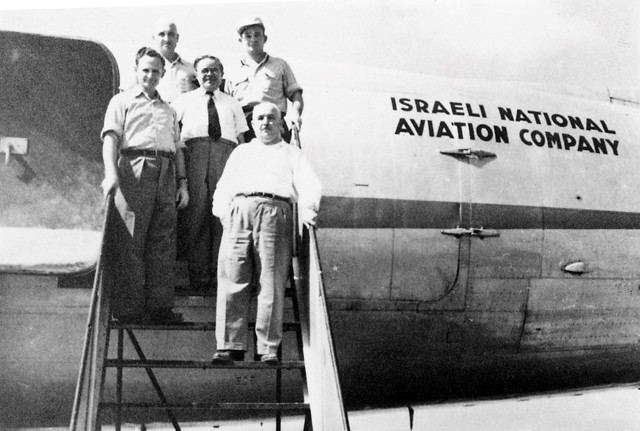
(579, 42)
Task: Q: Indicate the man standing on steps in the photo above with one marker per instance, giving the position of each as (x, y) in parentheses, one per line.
(180, 75)
(260, 77)
(253, 200)
(212, 126)
(142, 154)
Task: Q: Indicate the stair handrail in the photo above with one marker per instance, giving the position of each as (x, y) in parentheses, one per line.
(323, 390)
(85, 407)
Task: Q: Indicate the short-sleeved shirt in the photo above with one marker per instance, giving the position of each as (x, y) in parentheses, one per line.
(192, 112)
(270, 81)
(141, 122)
(179, 69)
(169, 86)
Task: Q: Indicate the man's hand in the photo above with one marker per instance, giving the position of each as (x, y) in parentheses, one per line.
(109, 183)
(182, 195)
(294, 119)
(110, 158)
(295, 114)
(308, 216)
(223, 220)
(185, 82)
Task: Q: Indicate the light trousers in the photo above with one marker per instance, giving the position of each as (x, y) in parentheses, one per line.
(255, 251)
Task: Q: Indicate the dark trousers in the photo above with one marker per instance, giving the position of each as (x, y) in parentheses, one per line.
(146, 201)
(205, 160)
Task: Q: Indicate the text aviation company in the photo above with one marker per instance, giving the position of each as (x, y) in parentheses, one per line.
(569, 139)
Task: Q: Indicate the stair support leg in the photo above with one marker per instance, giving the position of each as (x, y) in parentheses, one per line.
(119, 372)
(154, 381)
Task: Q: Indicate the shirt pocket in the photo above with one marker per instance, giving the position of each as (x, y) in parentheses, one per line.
(272, 82)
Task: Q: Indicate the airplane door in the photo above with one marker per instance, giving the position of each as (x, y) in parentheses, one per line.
(427, 190)
(387, 196)
(504, 213)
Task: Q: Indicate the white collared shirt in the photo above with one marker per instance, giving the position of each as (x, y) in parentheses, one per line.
(170, 84)
(141, 122)
(192, 112)
(280, 169)
(177, 71)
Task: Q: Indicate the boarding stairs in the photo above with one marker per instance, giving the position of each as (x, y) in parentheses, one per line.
(321, 402)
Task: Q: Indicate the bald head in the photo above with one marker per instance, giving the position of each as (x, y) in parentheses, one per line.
(165, 35)
(266, 123)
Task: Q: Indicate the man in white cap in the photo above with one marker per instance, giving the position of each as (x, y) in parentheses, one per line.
(260, 77)
(180, 75)
(253, 199)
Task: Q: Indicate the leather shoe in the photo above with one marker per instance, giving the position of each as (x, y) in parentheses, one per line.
(222, 356)
(270, 358)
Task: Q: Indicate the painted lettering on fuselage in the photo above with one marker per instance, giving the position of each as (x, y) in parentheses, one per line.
(568, 131)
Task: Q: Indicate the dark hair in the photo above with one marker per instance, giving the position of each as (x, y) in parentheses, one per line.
(211, 57)
(151, 53)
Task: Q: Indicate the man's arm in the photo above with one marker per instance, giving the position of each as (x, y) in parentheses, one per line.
(224, 193)
(239, 119)
(295, 117)
(110, 159)
(182, 193)
(309, 188)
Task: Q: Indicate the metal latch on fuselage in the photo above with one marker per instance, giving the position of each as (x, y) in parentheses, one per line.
(469, 153)
(474, 231)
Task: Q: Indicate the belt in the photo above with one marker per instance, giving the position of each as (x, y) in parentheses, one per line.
(146, 153)
(265, 195)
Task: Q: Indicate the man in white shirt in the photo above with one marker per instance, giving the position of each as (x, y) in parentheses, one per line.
(253, 199)
(180, 74)
(209, 142)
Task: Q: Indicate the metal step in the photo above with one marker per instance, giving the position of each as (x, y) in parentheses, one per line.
(151, 363)
(211, 406)
(313, 339)
(189, 326)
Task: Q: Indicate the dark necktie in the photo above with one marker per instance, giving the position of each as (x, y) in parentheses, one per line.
(214, 120)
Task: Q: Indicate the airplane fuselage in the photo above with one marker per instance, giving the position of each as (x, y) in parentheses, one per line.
(477, 238)
(497, 222)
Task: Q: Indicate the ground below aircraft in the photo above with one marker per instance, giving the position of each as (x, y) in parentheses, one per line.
(478, 239)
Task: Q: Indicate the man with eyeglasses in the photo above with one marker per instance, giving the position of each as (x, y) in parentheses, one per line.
(213, 124)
